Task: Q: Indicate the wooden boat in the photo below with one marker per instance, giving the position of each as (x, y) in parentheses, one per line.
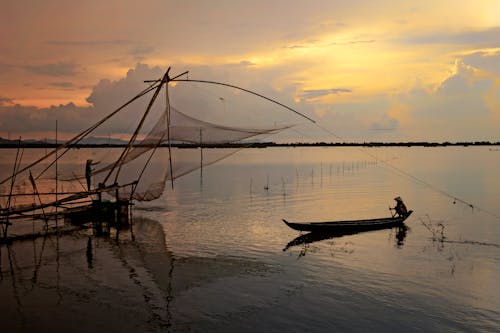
(345, 226)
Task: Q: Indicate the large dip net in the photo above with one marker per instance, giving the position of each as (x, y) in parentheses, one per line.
(148, 146)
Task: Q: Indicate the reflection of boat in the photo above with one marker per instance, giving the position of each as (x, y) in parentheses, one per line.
(312, 237)
(349, 226)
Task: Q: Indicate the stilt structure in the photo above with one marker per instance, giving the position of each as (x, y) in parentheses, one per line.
(132, 176)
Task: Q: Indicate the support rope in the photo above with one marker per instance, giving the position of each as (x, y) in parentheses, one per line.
(416, 179)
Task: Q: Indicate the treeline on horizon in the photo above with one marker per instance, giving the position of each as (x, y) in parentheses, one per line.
(4, 143)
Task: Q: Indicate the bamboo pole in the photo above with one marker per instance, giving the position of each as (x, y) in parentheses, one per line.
(80, 136)
(119, 162)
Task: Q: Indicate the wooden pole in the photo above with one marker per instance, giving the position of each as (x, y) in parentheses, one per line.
(119, 162)
(167, 100)
(80, 136)
(17, 163)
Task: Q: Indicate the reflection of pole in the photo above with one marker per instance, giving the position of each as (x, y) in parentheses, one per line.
(14, 285)
(1, 274)
(58, 275)
(56, 174)
(169, 290)
(201, 157)
(89, 253)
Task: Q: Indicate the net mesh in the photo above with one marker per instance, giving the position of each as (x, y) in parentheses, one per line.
(174, 145)
(168, 164)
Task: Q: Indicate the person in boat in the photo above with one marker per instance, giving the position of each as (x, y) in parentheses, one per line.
(400, 208)
(88, 172)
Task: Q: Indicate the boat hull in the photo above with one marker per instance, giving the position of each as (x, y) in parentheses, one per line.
(345, 226)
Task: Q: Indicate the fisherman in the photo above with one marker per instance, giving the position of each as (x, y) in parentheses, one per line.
(88, 172)
(400, 208)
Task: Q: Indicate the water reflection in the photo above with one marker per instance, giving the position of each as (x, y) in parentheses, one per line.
(82, 282)
(400, 236)
(125, 280)
(312, 237)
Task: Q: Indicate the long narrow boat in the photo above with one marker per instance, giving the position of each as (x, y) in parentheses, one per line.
(355, 225)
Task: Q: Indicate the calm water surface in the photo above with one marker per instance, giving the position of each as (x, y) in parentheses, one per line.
(213, 255)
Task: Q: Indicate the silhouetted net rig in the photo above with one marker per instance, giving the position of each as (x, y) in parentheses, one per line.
(99, 185)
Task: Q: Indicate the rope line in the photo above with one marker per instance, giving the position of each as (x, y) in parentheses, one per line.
(416, 179)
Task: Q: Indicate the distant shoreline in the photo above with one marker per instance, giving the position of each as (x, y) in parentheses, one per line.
(15, 144)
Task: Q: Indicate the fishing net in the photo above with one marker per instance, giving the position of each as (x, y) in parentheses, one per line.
(159, 151)
(162, 163)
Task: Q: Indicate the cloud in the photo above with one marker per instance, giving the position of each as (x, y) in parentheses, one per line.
(54, 69)
(317, 43)
(105, 97)
(5, 101)
(485, 38)
(463, 82)
(63, 85)
(295, 46)
(23, 120)
(457, 109)
(385, 123)
(488, 61)
(211, 103)
(314, 93)
(106, 94)
(96, 42)
(352, 42)
(140, 51)
(246, 63)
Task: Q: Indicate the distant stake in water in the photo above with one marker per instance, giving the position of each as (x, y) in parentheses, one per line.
(283, 186)
(321, 174)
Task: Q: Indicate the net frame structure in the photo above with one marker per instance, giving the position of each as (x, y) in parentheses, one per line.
(126, 178)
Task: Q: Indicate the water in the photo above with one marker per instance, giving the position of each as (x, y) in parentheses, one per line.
(212, 254)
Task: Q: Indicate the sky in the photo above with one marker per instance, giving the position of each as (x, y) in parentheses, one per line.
(374, 70)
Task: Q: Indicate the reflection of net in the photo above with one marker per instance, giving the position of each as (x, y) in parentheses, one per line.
(183, 129)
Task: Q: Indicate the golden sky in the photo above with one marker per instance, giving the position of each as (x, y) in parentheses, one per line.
(384, 69)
